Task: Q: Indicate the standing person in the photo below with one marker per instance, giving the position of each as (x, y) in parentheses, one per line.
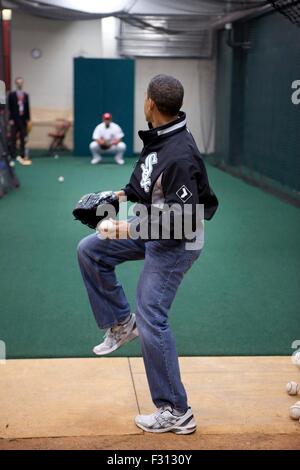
(19, 120)
(170, 171)
(107, 138)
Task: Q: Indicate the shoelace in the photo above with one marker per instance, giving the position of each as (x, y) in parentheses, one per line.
(162, 420)
(114, 334)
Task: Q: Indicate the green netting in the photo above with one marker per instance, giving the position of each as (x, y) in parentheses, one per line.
(258, 125)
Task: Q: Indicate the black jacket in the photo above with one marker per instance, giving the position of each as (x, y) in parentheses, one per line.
(13, 107)
(170, 170)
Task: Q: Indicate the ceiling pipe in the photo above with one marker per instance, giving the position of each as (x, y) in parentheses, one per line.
(230, 39)
(239, 15)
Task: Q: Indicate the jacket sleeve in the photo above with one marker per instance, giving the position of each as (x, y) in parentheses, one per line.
(130, 193)
(179, 185)
(28, 108)
(129, 189)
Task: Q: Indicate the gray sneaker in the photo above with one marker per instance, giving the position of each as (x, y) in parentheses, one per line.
(116, 336)
(163, 420)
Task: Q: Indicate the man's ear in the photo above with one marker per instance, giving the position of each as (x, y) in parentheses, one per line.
(151, 104)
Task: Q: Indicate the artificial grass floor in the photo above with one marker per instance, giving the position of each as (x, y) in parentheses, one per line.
(240, 298)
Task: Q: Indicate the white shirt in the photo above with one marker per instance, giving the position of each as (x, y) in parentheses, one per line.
(20, 98)
(108, 133)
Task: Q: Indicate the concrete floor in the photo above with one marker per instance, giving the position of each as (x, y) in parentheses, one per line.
(238, 402)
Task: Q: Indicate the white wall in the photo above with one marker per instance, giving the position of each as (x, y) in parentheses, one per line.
(198, 78)
(49, 80)
(110, 29)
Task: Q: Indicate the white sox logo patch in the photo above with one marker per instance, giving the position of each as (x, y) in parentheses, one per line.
(184, 193)
(147, 169)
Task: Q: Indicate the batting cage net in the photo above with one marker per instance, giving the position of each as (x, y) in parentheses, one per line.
(8, 178)
(288, 8)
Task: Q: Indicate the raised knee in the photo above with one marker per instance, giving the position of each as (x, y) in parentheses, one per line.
(81, 248)
(91, 247)
(84, 246)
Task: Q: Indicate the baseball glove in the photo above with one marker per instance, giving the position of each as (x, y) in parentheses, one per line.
(105, 145)
(86, 208)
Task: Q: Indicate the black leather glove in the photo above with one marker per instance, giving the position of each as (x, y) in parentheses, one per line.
(86, 208)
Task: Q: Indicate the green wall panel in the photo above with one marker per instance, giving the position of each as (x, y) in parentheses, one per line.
(102, 85)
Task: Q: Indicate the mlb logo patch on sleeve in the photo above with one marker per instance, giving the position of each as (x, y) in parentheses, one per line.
(184, 193)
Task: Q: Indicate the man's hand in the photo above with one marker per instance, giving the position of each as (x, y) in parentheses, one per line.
(11, 122)
(119, 230)
(104, 144)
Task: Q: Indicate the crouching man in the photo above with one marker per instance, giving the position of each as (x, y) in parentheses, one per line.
(107, 138)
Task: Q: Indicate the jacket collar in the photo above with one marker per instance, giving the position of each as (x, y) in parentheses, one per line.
(168, 129)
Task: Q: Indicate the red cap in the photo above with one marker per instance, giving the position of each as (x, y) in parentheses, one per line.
(107, 116)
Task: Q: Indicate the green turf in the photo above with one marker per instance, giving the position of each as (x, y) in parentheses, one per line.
(240, 298)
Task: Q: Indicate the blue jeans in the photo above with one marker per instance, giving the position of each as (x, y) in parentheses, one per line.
(164, 267)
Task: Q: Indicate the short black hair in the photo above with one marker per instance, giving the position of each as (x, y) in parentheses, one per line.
(167, 93)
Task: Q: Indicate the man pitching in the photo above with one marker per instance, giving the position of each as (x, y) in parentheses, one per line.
(170, 172)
